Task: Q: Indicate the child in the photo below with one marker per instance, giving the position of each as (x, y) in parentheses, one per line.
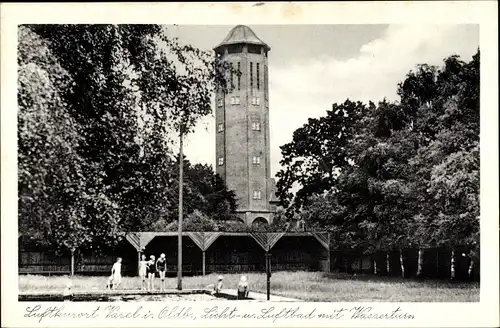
(152, 272)
(218, 286)
(67, 292)
(143, 271)
(116, 274)
(161, 267)
(243, 288)
(109, 284)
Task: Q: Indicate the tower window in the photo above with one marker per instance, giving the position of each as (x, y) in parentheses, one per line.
(258, 76)
(235, 49)
(221, 161)
(239, 75)
(256, 160)
(235, 100)
(251, 76)
(232, 76)
(256, 126)
(256, 194)
(255, 101)
(220, 127)
(254, 49)
(220, 102)
(266, 79)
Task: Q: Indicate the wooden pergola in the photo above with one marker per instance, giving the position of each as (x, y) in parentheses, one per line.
(266, 240)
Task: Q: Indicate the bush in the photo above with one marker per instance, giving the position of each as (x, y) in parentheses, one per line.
(195, 221)
(233, 226)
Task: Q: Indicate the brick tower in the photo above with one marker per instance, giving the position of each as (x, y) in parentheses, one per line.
(242, 126)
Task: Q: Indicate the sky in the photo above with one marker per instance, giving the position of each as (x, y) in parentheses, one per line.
(313, 66)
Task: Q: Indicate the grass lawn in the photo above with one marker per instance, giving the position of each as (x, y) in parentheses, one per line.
(307, 286)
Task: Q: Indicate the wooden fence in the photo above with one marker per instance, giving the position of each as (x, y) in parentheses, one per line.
(241, 253)
(435, 263)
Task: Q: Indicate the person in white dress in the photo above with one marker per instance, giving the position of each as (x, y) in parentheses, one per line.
(116, 273)
(143, 271)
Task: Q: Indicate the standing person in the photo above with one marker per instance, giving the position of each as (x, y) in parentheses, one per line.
(243, 288)
(152, 272)
(161, 267)
(116, 273)
(143, 271)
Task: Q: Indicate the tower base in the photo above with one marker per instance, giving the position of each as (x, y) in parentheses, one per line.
(250, 217)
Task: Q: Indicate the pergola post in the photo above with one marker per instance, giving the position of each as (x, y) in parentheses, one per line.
(203, 262)
(179, 237)
(72, 270)
(139, 253)
(268, 274)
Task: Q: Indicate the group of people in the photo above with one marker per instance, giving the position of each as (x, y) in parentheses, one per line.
(149, 268)
(147, 272)
(242, 290)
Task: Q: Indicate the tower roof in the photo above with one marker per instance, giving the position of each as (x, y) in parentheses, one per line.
(242, 34)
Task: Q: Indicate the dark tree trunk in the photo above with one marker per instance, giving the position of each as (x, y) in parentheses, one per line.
(72, 262)
(388, 263)
(452, 265)
(401, 262)
(420, 270)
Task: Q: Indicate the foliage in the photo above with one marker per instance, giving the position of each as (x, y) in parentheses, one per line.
(56, 187)
(99, 109)
(195, 221)
(407, 175)
(317, 151)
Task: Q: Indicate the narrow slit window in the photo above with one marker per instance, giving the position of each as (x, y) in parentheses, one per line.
(220, 102)
(221, 161)
(265, 82)
(256, 194)
(220, 127)
(239, 75)
(251, 76)
(232, 77)
(258, 76)
(256, 160)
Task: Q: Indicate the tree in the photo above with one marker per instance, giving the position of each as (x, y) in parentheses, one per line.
(54, 180)
(99, 107)
(131, 86)
(316, 153)
(449, 129)
(410, 172)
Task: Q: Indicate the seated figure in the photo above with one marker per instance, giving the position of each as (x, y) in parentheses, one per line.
(243, 288)
(218, 286)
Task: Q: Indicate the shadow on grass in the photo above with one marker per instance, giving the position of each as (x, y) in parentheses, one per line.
(411, 281)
